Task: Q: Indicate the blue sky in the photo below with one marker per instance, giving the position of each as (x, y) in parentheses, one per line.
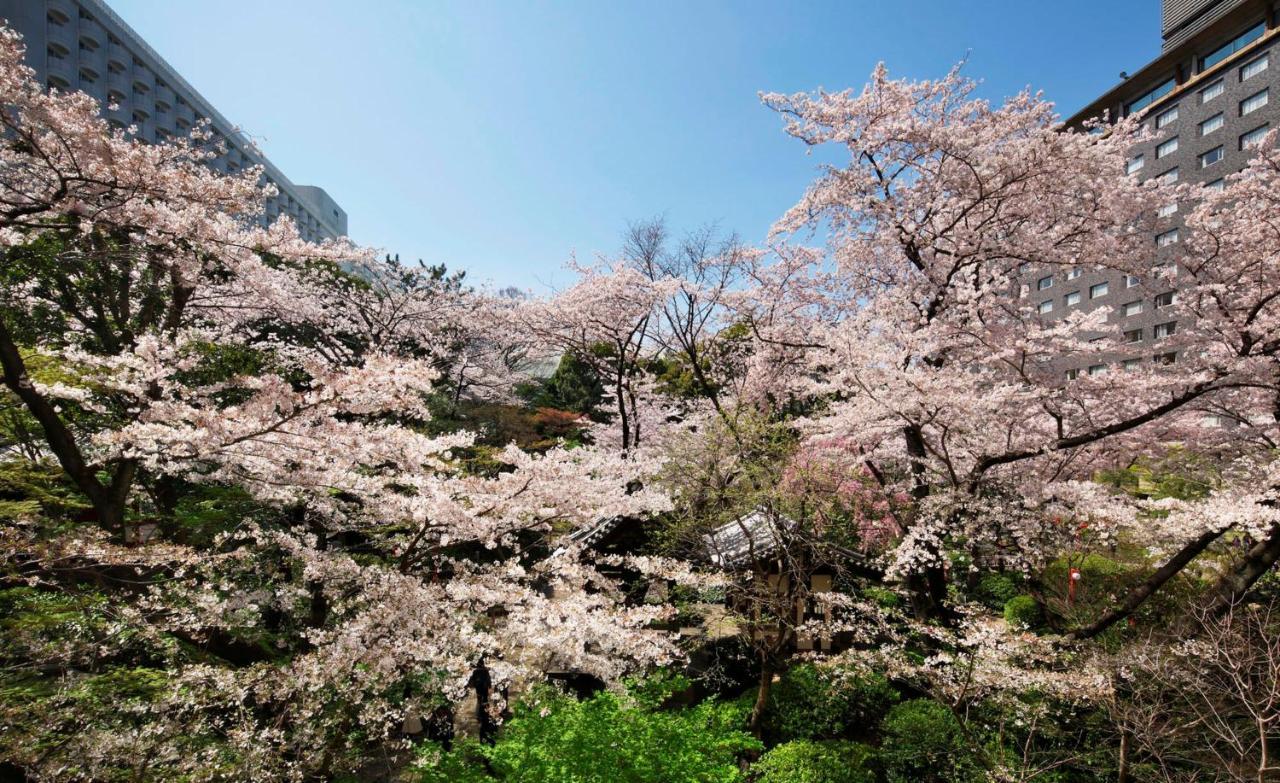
(501, 137)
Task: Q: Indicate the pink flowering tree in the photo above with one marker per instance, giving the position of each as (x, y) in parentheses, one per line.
(155, 339)
(909, 329)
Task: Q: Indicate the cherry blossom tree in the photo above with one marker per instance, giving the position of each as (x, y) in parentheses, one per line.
(910, 329)
(162, 338)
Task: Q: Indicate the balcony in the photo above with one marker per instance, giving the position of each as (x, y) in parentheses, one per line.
(120, 83)
(61, 72)
(118, 56)
(143, 76)
(61, 9)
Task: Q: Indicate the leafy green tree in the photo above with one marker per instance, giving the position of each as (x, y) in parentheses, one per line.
(923, 742)
(608, 738)
(802, 761)
(574, 386)
(811, 702)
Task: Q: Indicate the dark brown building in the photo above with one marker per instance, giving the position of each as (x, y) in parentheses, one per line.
(1214, 90)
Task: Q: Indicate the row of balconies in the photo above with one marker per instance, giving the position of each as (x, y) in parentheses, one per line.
(82, 55)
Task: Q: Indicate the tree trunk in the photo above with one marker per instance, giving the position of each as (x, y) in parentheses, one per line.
(1122, 766)
(928, 589)
(767, 670)
(1236, 583)
(1139, 594)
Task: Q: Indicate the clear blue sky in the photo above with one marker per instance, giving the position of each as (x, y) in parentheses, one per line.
(500, 137)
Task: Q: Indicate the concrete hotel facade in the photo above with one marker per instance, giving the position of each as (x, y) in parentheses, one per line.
(1212, 91)
(84, 45)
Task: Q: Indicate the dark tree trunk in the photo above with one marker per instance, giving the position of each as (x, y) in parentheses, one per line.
(1139, 594)
(765, 685)
(1235, 584)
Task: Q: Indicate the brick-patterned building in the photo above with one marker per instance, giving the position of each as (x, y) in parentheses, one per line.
(1214, 89)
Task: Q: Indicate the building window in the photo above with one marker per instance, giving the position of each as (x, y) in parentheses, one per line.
(1255, 67)
(1130, 309)
(1165, 269)
(1167, 238)
(1165, 358)
(1254, 102)
(1045, 307)
(87, 76)
(1098, 290)
(1164, 118)
(1097, 369)
(1212, 91)
(1168, 299)
(1161, 331)
(140, 88)
(87, 44)
(1169, 177)
(1158, 92)
(1072, 299)
(1074, 272)
(1133, 336)
(1131, 281)
(57, 18)
(56, 83)
(1073, 374)
(115, 98)
(1044, 282)
(1130, 365)
(1167, 210)
(1135, 165)
(58, 51)
(1210, 125)
(1217, 186)
(1211, 157)
(1167, 147)
(1253, 137)
(1233, 46)
(139, 115)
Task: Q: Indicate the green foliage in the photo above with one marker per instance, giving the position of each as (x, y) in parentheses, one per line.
(574, 386)
(465, 763)
(1023, 611)
(1175, 474)
(29, 488)
(923, 742)
(802, 761)
(997, 589)
(40, 625)
(609, 738)
(884, 597)
(824, 702)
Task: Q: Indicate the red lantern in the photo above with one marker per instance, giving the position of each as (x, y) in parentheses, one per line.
(1073, 576)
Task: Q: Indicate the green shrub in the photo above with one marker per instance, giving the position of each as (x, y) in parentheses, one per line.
(463, 764)
(821, 702)
(802, 761)
(997, 589)
(609, 738)
(884, 598)
(1023, 611)
(923, 742)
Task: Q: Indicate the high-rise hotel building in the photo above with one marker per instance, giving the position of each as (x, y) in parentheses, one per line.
(84, 45)
(1212, 93)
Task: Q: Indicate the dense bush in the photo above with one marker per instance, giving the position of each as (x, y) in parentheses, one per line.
(997, 589)
(609, 738)
(802, 761)
(923, 742)
(1023, 611)
(825, 702)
